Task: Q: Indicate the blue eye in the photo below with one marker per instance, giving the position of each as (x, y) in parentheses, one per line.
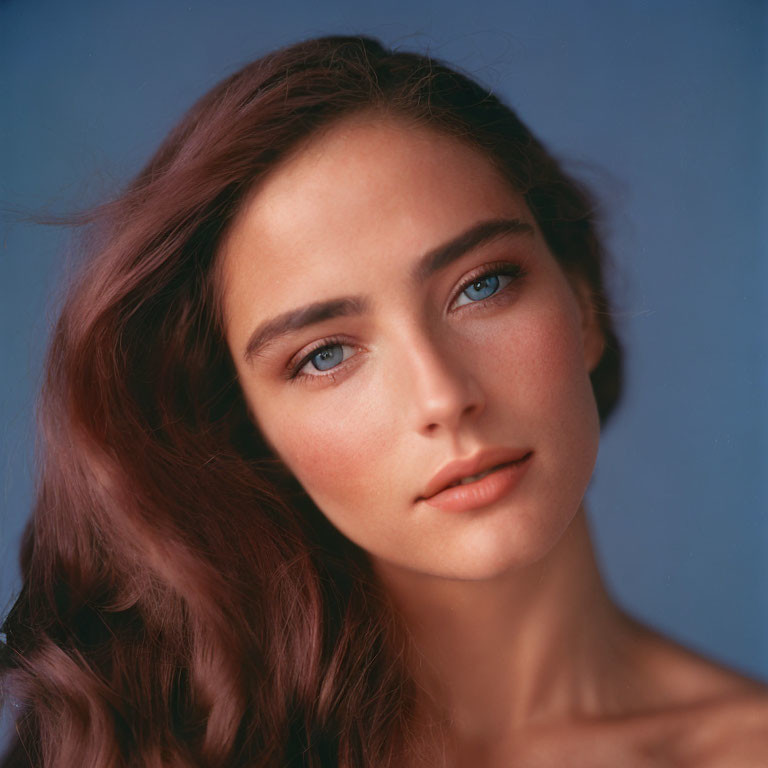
(332, 352)
(323, 358)
(486, 285)
(327, 357)
(482, 288)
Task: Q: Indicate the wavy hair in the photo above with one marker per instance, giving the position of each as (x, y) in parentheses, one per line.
(183, 601)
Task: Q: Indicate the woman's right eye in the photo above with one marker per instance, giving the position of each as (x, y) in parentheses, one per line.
(324, 358)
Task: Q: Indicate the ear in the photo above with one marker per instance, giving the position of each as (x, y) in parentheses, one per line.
(593, 339)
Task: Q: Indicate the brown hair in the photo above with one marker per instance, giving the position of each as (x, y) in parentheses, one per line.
(183, 602)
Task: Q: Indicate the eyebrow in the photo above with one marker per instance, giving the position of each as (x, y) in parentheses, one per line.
(433, 261)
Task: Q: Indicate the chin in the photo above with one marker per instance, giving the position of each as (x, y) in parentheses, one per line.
(489, 550)
(493, 565)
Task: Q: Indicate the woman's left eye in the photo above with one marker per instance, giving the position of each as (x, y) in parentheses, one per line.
(485, 285)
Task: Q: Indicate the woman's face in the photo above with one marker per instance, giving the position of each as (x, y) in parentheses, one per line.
(391, 307)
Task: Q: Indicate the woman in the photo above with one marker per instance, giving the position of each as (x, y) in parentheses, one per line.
(320, 412)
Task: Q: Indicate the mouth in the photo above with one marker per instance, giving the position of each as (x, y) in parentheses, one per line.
(481, 489)
(473, 470)
(473, 478)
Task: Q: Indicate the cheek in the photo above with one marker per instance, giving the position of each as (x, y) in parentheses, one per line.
(540, 381)
(333, 447)
(560, 392)
(559, 378)
(542, 355)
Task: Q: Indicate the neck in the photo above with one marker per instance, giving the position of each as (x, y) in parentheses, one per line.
(537, 645)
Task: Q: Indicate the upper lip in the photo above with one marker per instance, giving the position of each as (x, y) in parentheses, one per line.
(471, 465)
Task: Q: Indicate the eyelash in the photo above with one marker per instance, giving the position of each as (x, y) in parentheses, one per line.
(515, 271)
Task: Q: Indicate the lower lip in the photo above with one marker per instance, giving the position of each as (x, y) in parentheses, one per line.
(480, 493)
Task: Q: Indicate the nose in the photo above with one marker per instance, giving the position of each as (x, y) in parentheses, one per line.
(441, 386)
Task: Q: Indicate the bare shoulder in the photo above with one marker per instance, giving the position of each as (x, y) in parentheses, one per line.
(731, 733)
(719, 717)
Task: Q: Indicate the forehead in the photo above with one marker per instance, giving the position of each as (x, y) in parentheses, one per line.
(369, 191)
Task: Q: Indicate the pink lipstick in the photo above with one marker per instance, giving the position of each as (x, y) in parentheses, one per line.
(472, 490)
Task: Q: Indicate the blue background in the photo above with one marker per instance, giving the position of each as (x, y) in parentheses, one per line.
(661, 106)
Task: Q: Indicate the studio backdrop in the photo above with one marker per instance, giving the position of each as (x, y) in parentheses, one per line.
(660, 107)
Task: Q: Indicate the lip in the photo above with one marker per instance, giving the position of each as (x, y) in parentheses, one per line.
(480, 493)
(472, 465)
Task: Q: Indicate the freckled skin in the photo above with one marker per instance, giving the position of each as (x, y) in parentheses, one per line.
(537, 666)
(348, 215)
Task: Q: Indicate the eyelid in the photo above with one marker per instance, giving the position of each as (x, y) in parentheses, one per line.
(509, 268)
(298, 361)
(293, 369)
